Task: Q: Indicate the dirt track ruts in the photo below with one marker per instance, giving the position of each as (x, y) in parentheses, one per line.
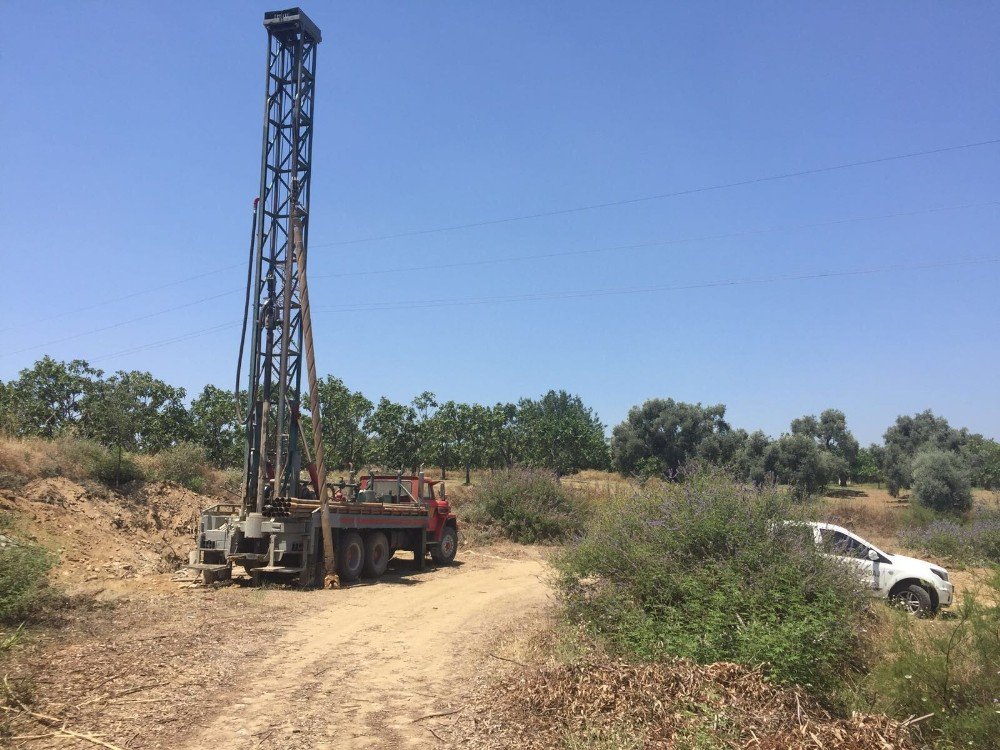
(366, 667)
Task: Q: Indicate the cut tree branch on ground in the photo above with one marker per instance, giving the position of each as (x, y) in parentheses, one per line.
(58, 725)
(504, 658)
(440, 713)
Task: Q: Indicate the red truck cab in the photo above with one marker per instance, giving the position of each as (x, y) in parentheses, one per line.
(409, 490)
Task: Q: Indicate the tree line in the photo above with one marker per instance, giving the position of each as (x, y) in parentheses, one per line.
(135, 412)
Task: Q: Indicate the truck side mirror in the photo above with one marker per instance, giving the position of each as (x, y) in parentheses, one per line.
(873, 555)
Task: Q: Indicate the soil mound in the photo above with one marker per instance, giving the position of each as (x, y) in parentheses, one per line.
(99, 533)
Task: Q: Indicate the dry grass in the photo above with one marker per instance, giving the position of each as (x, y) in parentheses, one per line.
(601, 702)
(33, 457)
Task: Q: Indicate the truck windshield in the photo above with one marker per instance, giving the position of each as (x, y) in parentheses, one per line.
(389, 490)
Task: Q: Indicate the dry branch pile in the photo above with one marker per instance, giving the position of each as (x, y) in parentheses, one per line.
(668, 705)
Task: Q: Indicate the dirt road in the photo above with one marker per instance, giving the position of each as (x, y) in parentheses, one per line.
(372, 660)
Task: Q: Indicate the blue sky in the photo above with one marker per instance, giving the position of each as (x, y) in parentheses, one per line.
(131, 140)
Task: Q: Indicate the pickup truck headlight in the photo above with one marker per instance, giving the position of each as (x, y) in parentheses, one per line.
(942, 574)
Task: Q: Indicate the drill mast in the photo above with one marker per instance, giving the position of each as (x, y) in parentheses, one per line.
(273, 456)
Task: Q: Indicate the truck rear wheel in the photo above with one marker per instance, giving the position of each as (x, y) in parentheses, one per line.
(444, 551)
(351, 556)
(376, 554)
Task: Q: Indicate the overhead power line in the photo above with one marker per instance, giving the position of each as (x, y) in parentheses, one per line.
(509, 259)
(653, 243)
(130, 295)
(542, 214)
(583, 293)
(119, 324)
(661, 196)
(544, 296)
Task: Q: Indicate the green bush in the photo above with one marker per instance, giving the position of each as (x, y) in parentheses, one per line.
(184, 463)
(941, 481)
(705, 568)
(116, 468)
(24, 586)
(526, 505)
(946, 667)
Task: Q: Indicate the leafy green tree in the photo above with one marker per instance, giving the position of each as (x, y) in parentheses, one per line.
(470, 436)
(983, 456)
(393, 431)
(47, 398)
(502, 436)
(910, 435)
(797, 460)
(459, 436)
(662, 434)
(832, 436)
(560, 433)
(8, 418)
(439, 436)
(134, 411)
(344, 414)
(749, 460)
(215, 426)
(425, 405)
(865, 467)
(941, 481)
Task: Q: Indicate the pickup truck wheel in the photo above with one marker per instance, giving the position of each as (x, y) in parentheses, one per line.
(351, 556)
(376, 554)
(443, 553)
(914, 599)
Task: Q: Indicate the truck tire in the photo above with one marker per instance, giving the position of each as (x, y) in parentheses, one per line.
(444, 551)
(376, 554)
(351, 556)
(915, 599)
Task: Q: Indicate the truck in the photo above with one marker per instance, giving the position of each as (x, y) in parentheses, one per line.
(372, 519)
(292, 523)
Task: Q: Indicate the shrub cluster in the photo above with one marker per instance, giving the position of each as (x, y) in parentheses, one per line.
(526, 505)
(706, 568)
(186, 464)
(977, 541)
(941, 482)
(949, 668)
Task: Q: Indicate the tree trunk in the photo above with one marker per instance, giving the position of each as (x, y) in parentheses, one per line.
(468, 477)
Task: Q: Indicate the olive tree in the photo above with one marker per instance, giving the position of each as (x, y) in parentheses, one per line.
(662, 434)
(910, 435)
(941, 481)
(830, 433)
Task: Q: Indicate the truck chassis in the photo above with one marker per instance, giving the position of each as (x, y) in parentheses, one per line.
(288, 543)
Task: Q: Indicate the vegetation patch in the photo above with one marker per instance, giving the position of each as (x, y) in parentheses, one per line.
(24, 587)
(526, 505)
(972, 542)
(185, 464)
(946, 670)
(941, 482)
(706, 568)
(609, 703)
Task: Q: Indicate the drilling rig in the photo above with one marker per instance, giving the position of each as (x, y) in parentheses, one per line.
(286, 525)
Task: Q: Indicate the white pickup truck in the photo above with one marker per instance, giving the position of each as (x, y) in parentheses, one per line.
(917, 585)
